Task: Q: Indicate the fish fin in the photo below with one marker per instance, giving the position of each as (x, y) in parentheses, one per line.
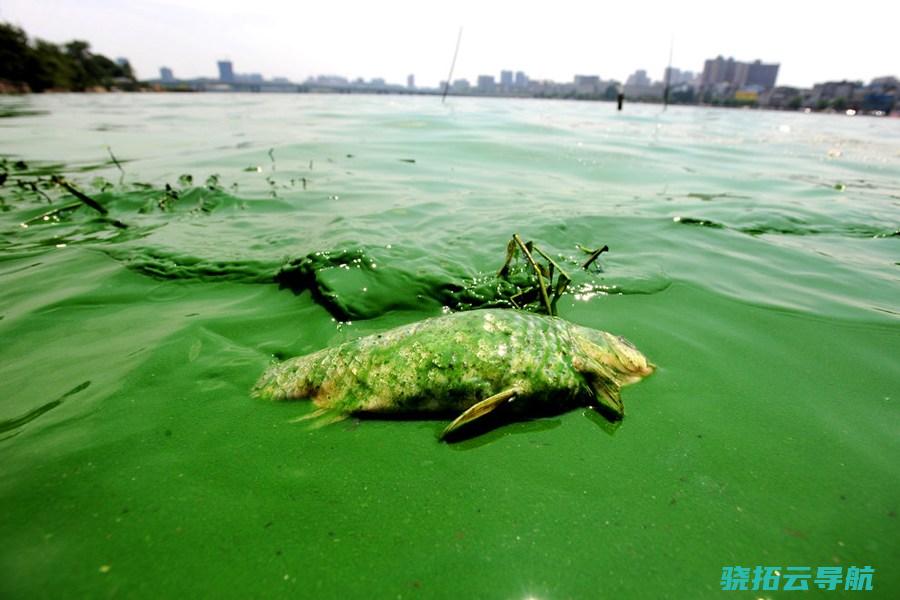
(604, 385)
(480, 409)
(308, 417)
(606, 393)
(320, 418)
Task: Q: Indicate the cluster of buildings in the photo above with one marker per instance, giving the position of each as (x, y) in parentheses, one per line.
(638, 86)
(227, 81)
(723, 81)
(230, 81)
(510, 84)
(582, 87)
(878, 97)
(730, 82)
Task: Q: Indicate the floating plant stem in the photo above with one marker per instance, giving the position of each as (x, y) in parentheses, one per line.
(593, 256)
(510, 254)
(562, 280)
(58, 180)
(32, 185)
(52, 213)
(562, 274)
(85, 199)
(537, 272)
(117, 163)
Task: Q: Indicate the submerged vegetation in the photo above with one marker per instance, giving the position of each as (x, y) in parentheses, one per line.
(47, 184)
(55, 205)
(37, 65)
(530, 279)
(344, 281)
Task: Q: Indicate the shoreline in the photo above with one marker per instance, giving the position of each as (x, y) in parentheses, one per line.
(9, 89)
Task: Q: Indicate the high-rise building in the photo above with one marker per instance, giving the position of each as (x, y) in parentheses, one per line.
(521, 80)
(731, 74)
(506, 79)
(165, 75)
(717, 70)
(639, 85)
(639, 77)
(461, 85)
(226, 71)
(411, 81)
(587, 84)
(674, 76)
(755, 74)
(486, 83)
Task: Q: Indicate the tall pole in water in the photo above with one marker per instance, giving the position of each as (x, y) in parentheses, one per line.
(452, 65)
(668, 76)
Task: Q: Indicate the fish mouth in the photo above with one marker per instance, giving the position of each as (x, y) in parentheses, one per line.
(631, 362)
(617, 353)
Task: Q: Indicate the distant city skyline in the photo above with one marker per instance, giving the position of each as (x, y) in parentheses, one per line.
(394, 39)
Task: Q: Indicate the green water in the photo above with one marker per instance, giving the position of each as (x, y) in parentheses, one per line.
(753, 257)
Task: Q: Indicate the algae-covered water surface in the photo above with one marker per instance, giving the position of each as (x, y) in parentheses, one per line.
(753, 257)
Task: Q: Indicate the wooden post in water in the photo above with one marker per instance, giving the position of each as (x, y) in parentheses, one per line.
(668, 77)
(452, 65)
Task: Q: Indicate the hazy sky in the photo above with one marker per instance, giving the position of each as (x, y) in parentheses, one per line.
(813, 41)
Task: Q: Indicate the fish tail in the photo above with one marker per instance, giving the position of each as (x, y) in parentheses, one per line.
(320, 418)
(286, 380)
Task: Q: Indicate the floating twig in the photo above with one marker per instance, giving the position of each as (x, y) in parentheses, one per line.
(60, 181)
(85, 199)
(537, 272)
(552, 280)
(51, 213)
(562, 280)
(32, 185)
(593, 256)
(115, 160)
(563, 276)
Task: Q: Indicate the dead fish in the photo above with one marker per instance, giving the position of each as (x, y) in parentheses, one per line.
(473, 362)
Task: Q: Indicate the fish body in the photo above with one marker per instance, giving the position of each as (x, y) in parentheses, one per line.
(473, 362)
